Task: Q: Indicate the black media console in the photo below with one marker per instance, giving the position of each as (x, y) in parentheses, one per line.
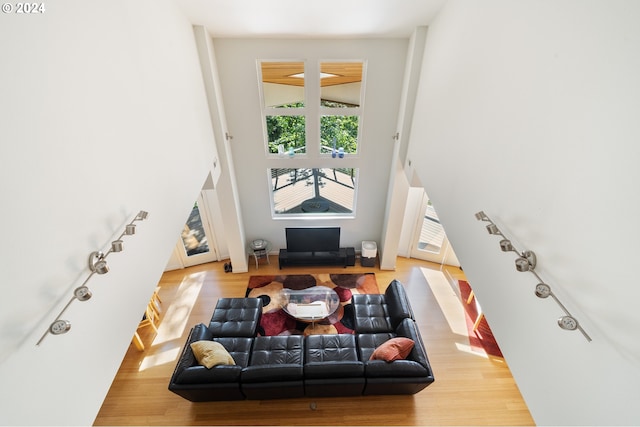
(315, 246)
(343, 256)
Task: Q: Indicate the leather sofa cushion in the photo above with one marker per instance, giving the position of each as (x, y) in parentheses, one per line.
(236, 317)
(331, 356)
(239, 348)
(367, 343)
(275, 358)
(330, 348)
(278, 349)
(279, 372)
(336, 369)
(370, 313)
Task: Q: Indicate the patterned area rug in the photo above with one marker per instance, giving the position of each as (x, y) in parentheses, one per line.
(276, 322)
(482, 339)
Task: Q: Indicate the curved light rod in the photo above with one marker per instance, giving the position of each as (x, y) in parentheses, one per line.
(98, 265)
(527, 261)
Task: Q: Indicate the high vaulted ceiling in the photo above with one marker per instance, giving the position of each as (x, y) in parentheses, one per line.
(291, 73)
(310, 18)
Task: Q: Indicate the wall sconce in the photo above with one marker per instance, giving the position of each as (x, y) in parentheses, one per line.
(97, 265)
(526, 262)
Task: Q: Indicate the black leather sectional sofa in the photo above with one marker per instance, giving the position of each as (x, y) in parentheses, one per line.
(268, 367)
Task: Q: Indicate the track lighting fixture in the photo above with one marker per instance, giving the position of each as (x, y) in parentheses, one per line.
(97, 265)
(526, 262)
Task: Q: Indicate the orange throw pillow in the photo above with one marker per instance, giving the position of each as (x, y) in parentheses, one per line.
(393, 349)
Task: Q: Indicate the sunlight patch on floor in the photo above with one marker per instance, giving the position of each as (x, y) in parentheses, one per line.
(448, 300)
(175, 320)
(161, 358)
(467, 349)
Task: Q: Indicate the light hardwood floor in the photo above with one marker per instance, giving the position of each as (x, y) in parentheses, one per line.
(469, 389)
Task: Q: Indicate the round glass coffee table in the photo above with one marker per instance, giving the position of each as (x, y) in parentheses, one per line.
(311, 304)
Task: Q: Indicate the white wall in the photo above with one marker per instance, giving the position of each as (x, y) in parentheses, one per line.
(103, 114)
(240, 89)
(529, 111)
(226, 188)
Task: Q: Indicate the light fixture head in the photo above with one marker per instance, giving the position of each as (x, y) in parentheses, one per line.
(526, 262)
(543, 290)
(82, 293)
(142, 215)
(97, 263)
(505, 245)
(522, 264)
(568, 322)
(493, 229)
(481, 216)
(59, 327)
(531, 257)
(130, 229)
(117, 246)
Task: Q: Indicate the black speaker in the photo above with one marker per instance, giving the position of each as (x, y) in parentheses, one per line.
(351, 256)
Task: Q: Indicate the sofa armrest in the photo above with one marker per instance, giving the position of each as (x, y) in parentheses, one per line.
(407, 328)
(397, 368)
(198, 333)
(201, 375)
(398, 304)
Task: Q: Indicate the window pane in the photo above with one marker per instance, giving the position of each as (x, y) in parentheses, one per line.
(340, 84)
(339, 132)
(432, 234)
(286, 134)
(283, 84)
(193, 235)
(313, 191)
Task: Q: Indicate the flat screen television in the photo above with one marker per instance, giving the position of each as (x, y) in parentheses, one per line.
(325, 239)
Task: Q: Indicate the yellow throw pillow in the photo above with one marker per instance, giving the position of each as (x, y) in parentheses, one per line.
(211, 353)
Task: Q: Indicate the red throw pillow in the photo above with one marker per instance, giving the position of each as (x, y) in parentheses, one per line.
(393, 349)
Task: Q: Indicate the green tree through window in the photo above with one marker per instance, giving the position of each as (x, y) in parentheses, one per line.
(342, 129)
